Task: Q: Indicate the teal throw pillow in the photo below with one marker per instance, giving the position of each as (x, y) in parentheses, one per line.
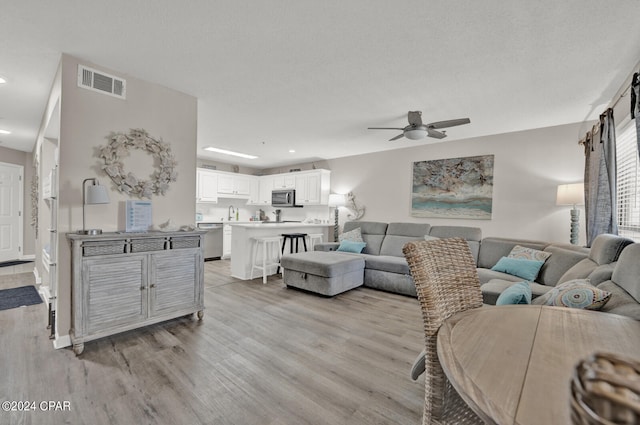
(526, 269)
(350, 246)
(518, 293)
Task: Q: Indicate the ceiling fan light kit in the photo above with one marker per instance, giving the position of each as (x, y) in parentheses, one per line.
(415, 134)
(416, 130)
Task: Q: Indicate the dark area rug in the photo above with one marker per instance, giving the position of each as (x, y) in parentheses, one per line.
(17, 297)
(14, 263)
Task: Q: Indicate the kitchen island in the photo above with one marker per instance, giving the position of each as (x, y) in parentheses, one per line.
(242, 241)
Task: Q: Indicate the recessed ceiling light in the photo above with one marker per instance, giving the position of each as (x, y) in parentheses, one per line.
(227, 152)
(5, 132)
(292, 151)
(2, 81)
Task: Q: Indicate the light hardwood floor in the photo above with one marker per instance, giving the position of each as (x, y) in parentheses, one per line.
(263, 354)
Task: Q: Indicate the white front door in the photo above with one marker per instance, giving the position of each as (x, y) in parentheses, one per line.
(10, 211)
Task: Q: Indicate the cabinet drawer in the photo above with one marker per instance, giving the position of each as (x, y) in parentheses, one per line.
(148, 244)
(186, 242)
(93, 248)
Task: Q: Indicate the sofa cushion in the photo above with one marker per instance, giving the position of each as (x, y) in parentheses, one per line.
(581, 270)
(494, 287)
(398, 234)
(620, 302)
(473, 236)
(387, 263)
(607, 248)
(517, 293)
(373, 233)
(526, 269)
(578, 293)
(560, 261)
(492, 249)
(486, 275)
(627, 271)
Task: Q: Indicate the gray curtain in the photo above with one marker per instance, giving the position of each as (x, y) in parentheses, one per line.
(600, 178)
(635, 104)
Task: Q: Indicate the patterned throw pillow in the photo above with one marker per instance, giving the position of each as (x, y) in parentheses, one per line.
(354, 235)
(576, 293)
(525, 253)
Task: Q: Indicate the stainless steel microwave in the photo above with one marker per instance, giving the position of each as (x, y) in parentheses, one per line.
(283, 198)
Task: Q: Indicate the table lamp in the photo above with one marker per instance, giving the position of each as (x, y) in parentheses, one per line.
(94, 194)
(336, 200)
(572, 194)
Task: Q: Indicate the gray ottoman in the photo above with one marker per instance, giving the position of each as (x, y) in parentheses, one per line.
(325, 273)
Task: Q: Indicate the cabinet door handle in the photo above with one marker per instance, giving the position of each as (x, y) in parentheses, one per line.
(142, 288)
(153, 285)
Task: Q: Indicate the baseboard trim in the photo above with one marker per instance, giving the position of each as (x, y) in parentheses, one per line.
(37, 276)
(62, 341)
(28, 257)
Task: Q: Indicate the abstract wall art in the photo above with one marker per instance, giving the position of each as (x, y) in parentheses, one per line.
(453, 188)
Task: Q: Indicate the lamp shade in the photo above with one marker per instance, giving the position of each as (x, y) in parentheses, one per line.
(336, 200)
(416, 134)
(570, 194)
(96, 194)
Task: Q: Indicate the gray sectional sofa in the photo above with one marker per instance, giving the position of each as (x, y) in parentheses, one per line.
(566, 262)
(384, 266)
(381, 265)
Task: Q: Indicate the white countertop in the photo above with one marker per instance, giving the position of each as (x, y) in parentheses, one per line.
(263, 224)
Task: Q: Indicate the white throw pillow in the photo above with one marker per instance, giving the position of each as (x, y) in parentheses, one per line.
(354, 235)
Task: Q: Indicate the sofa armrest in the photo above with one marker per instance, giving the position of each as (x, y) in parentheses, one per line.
(327, 246)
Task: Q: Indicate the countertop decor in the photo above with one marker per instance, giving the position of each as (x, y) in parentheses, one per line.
(118, 148)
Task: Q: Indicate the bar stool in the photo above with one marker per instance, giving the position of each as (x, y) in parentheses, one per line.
(291, 237)
(269, 245)
(315, 238)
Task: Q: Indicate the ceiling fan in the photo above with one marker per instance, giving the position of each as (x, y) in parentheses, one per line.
(416, 130)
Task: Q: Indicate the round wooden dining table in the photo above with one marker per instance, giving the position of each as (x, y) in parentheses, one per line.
(513, 364)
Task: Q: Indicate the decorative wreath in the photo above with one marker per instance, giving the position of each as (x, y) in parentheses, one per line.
(118, 148)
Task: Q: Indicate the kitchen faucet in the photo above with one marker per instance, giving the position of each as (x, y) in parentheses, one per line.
(232, 210)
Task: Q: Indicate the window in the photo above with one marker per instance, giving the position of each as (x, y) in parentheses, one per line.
(628, 181)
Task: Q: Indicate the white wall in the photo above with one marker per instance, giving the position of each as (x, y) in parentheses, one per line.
(527, 169)
(86, 120)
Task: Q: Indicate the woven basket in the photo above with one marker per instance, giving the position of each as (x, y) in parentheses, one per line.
(605, 389)
(91, 249)
(185, 242)
(147, 244)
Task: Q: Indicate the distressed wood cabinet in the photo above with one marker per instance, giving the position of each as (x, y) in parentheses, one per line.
(122, 281)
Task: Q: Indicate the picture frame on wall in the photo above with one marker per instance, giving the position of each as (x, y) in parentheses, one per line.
(453, 188)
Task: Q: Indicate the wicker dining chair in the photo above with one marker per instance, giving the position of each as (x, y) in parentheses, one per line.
(446, 280)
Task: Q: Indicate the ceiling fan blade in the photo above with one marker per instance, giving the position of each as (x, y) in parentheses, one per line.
(399, 136)
(435, 134)
(415, 118)
(449, 123)
(384, 128)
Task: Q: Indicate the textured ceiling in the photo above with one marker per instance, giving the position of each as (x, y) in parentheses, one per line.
(276, 75)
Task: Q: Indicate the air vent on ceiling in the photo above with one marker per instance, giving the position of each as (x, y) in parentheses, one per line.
(99, 81)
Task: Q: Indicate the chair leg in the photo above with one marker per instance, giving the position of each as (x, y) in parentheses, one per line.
(264, 263)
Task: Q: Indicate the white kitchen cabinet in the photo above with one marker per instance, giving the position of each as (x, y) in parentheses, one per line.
(206, 186)
(284, 181)
(124, 281)
(266, 187)
(226, 241)
(233, 185)
(254, 191)
(312, 187)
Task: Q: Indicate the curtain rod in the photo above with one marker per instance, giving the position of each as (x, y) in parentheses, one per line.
(596, 128)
